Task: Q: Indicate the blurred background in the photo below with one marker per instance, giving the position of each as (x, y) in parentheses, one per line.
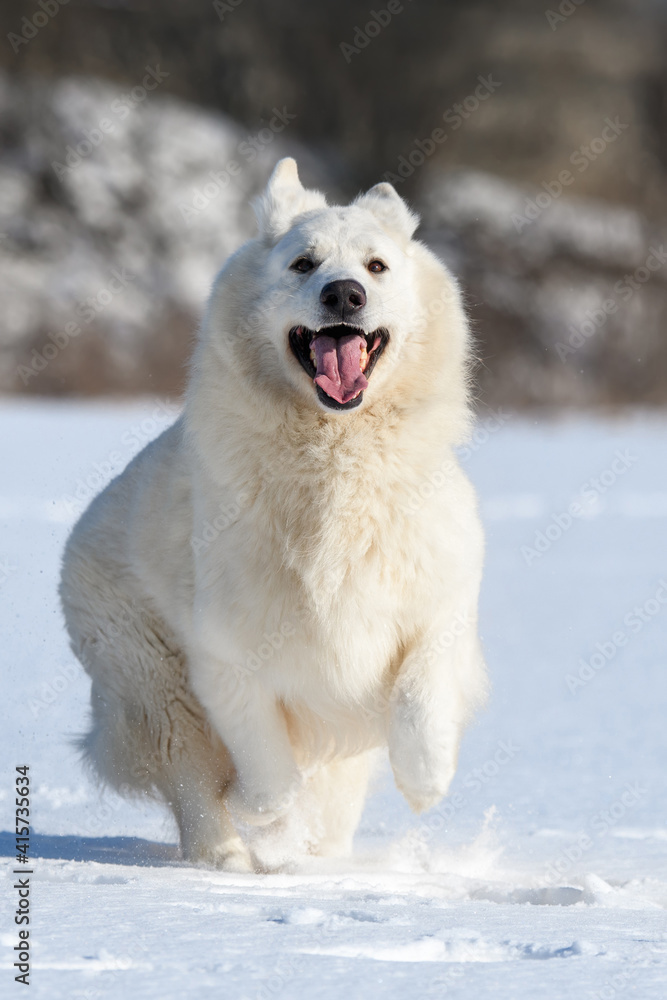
(532, 139)
(531, 135)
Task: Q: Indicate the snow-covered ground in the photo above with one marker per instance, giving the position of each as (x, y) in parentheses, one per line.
(544, 873)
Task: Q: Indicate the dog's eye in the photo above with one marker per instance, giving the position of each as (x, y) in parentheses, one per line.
(302, 265)
(377, 267)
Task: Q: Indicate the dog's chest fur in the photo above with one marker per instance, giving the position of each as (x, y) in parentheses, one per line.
(325, 527)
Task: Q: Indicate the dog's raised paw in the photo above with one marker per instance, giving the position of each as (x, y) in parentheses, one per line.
(422, 775)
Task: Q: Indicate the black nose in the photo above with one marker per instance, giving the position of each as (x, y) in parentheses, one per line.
(344, 298)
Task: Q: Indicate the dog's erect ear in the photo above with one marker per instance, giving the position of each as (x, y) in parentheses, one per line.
(384, 202)
(284, 198)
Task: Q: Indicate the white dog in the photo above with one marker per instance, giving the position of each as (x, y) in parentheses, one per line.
(288, 577)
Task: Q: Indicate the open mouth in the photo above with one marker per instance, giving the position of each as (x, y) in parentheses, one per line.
(339, 359)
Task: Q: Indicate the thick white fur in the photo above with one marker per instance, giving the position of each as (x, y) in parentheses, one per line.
(273, 589)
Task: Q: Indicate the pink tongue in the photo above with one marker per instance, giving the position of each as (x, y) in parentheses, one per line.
(338, 372)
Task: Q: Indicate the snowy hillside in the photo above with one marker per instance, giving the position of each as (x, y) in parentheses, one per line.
(544, 873)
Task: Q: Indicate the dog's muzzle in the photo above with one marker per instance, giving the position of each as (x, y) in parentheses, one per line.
(339, 359)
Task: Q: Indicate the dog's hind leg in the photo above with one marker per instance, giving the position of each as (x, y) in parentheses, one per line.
(192, 772)
(206, 831)
(149, 733)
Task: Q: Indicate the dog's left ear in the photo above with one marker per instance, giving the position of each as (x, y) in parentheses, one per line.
(384, 202)
(285, 197)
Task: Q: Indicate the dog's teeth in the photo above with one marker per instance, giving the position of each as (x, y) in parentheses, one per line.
(312, 355)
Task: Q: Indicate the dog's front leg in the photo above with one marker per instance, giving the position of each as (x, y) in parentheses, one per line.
(251, 724)
(432, 697)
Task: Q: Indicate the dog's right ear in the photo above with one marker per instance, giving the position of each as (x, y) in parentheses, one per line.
(385, 203)
(284, 198)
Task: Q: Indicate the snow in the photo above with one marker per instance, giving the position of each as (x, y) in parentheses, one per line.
(544, 872)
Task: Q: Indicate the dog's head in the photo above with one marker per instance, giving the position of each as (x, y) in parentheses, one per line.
(333, 304)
